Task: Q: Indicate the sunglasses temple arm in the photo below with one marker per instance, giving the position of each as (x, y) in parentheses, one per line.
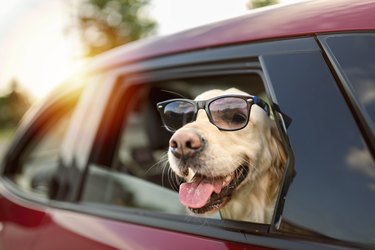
(287, 119)
(258, 101)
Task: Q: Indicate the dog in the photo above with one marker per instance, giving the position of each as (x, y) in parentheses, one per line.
(235, 172)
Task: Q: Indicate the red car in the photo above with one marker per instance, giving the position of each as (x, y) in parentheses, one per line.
(87, 168)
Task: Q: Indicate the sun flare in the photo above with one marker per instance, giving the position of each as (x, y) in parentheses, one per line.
(37, 52)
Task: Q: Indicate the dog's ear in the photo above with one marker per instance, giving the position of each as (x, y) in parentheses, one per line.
(267, 126)
(277, 150)
(259, 117)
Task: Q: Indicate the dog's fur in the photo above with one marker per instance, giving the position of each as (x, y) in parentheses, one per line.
(257, 146)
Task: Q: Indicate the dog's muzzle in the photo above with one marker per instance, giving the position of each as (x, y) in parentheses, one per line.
(202, 194)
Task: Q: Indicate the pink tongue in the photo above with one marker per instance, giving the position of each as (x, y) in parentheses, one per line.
(197, 193)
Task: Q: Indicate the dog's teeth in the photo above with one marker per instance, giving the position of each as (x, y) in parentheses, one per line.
(227, 180)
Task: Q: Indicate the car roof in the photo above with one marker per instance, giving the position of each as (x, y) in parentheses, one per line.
(278, 21)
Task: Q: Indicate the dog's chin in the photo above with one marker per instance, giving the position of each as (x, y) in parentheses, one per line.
(230, 184)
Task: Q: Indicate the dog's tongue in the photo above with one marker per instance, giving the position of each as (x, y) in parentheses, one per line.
(196, 194)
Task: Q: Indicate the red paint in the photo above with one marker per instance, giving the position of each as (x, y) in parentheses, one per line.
(38, 227)
(299, 19)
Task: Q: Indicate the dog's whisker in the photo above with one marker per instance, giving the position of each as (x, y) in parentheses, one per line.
(173, 179)
(165, 172)
(156, 164)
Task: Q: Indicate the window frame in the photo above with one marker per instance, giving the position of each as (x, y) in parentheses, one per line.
(105, 157)
(185, 64)
(108, 142)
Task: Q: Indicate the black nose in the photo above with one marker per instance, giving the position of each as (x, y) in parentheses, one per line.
(185, 144)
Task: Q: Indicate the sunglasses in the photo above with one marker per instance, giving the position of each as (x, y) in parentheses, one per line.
(228, 112)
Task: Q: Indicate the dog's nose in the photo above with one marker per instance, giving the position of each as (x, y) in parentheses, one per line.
(185, 144)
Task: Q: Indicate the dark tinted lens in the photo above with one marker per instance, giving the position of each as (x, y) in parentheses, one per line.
(177, 114)
(229, 113)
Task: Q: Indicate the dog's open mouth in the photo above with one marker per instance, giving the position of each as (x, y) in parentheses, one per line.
(207, 194)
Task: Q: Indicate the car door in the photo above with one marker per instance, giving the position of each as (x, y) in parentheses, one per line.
(322, 143)
(128, 184)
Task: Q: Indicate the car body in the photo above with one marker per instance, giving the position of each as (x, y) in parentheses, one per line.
(86, 168)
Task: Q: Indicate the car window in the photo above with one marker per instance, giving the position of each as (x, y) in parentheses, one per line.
(332, 195)
(355, 56)
(40, 160)
(140, 176)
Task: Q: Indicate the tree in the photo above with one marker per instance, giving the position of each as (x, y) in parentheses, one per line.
(106, 24)
(253, 4)
(13, 106)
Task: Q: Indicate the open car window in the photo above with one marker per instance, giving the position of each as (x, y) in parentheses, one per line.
(139, 175)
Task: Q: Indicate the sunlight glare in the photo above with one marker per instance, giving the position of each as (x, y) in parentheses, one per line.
(35, 49)
(37, 52)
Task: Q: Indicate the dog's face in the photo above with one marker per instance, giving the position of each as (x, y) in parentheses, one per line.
(217, 164)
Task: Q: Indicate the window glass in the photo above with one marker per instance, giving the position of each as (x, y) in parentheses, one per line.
(332, 195)
(356, 56)
(40, 160)
(140, 176)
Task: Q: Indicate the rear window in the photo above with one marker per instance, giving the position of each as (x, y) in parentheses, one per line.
(355, 57)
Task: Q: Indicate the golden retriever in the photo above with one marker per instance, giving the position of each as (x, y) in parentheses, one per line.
(237, 172)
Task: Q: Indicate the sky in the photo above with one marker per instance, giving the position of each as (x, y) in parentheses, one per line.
(37, 50)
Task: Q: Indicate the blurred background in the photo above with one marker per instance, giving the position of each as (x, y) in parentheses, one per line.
(43, 41)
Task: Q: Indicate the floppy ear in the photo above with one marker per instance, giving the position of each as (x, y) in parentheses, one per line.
(277, 150)
(259, 117)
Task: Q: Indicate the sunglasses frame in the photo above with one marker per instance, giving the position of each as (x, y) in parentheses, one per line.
(205, 104)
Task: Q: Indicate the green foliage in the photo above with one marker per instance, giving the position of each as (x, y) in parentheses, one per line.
(106, 24)
(253, 4)
(13, 106)
(6, 134)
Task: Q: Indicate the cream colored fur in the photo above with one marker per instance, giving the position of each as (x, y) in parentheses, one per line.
(258, 145)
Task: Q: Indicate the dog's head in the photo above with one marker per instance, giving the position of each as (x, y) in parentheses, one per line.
(217, 163)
